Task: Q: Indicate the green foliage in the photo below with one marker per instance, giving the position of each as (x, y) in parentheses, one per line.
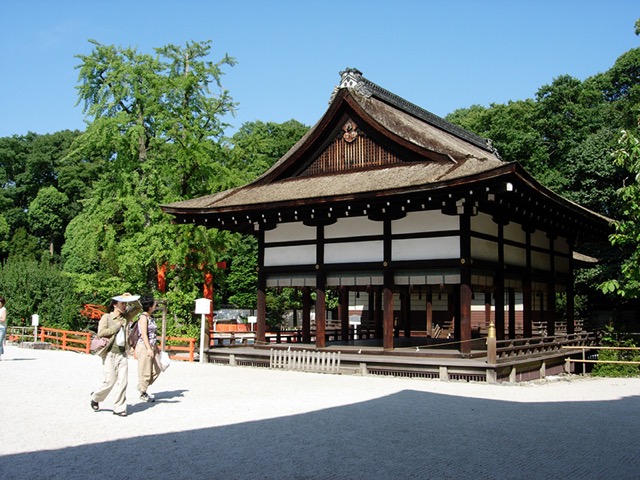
(258, 145)
(612, 339)
(627, 233)
(243, 278)
(39, 287)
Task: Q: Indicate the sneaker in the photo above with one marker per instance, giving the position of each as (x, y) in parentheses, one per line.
(146, 398)
(120, 414)
(94, 405)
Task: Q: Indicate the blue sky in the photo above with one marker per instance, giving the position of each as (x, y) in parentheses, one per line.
(440, 55)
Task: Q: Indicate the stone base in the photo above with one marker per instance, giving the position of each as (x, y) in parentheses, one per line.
(37, 345)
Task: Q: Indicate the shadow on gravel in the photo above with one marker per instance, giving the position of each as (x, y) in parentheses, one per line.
(408, 435)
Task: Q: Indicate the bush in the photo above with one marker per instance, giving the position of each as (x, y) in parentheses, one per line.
(612, 339)
(32, 287)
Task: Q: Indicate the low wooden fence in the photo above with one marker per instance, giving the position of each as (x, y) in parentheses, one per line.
(509, 349)
(584, 360)
(305, 360)
(179, 348)
(66, 339)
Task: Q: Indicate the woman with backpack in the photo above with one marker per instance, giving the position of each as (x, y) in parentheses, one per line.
(147, 351)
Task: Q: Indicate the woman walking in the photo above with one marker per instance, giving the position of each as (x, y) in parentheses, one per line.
(3, 325)
(115, 370)
(147, 348)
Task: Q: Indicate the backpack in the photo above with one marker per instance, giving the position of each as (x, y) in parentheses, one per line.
(134, 334)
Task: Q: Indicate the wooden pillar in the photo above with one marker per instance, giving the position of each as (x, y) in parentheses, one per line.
(512, 313)
(306, 315)
(499, 282)
(527, 308)
(466, 293)
(527, 304)
(387, 300)
(487, 311)
(261, 327)
(321, 309)
(551, 309)
(429, 314)
(343, 313)
(551, 291)
(571, 311)
(405, 311)
(371, 306)
(465, 318)
(378, 313)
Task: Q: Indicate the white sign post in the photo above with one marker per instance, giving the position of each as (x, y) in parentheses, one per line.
(35, 321)
(203, 307)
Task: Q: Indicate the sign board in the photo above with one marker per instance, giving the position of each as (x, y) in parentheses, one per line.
(252, 319)
(35, 320)
(203, 306)
(354, 319)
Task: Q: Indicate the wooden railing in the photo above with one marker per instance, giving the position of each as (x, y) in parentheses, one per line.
(66, 339)
(585, 360)
(81, 341)
(508, 349)
(180, 345)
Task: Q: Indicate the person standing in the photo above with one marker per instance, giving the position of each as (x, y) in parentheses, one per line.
(115, 369)
(3, 324)
(147, 348)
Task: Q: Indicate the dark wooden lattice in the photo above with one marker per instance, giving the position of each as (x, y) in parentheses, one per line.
(351, 150)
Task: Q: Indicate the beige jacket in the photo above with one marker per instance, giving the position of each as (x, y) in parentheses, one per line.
(110, 324)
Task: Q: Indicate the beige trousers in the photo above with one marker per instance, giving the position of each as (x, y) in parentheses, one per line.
(148, 367)
(115, 371)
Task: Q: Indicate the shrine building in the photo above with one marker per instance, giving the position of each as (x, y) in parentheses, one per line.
(415, 221)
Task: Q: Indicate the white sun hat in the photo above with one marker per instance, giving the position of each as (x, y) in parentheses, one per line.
(126, 297)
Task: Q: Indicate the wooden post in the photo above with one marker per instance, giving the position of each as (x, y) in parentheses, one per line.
(491, 345)
(406, 311)
(306, 315)
(321, 309)
(343, 313)
(512, 313)
(429, 315)
(465, 319)
(387, 341)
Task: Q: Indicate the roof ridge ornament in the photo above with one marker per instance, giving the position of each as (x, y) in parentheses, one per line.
(351, 79)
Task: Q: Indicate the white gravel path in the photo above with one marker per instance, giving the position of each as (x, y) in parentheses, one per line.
(220, 422)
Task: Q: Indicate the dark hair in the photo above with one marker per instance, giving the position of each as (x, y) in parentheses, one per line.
(2, 301)
(112, 305)
(147, 302)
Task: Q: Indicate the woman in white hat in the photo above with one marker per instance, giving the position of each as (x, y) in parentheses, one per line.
(115, 369)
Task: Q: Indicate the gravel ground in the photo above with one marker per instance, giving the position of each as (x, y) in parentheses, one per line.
(219, 422)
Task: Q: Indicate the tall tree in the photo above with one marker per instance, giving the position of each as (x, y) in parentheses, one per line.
(158, 123)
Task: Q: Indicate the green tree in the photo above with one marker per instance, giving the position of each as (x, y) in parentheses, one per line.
(258, 145)
(32, 287)
(47, 215)
(158, 124)
(627, 235)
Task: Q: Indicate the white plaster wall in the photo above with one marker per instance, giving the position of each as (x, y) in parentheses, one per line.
(483, 223)
(540, 239)
(345, 252)
(514, 232)
(515, 256)
(425, 221)
(540, 261)
(353, 227)
(293, 255)
(425, 248)
(285, 232)
(484, 249)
